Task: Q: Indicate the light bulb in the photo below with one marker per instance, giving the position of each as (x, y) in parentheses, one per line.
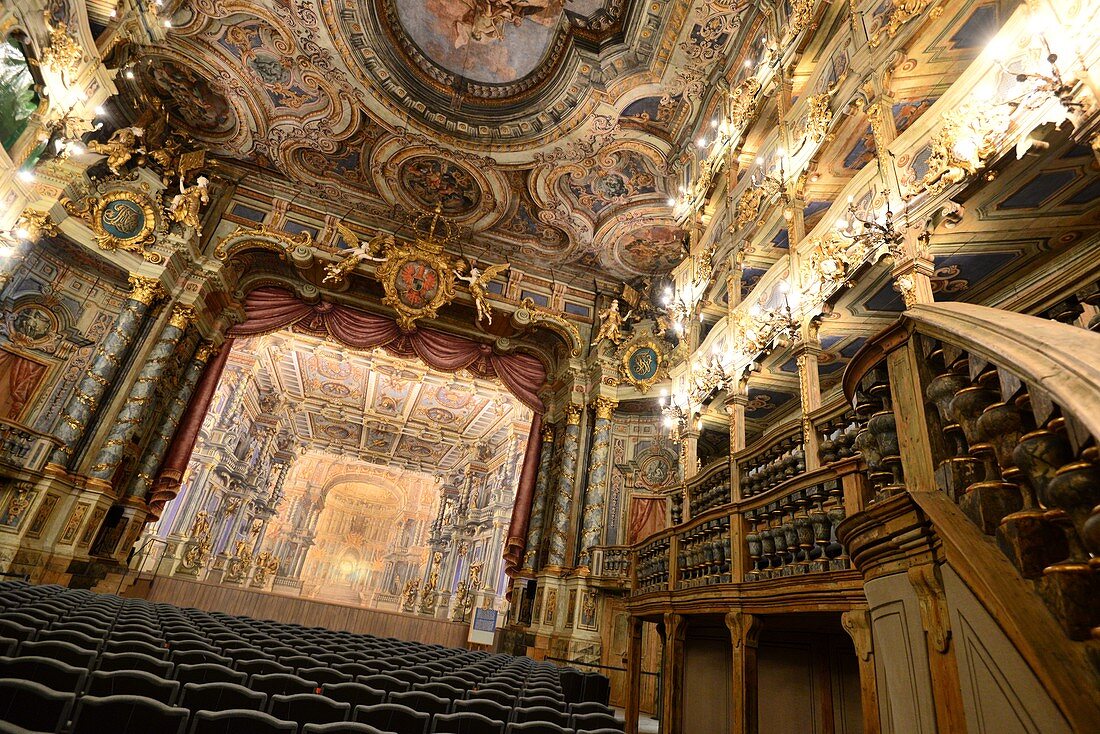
(26, 175)
(22, 233)
(99, 111)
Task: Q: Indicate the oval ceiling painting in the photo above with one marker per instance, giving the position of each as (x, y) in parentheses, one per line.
(490, 41)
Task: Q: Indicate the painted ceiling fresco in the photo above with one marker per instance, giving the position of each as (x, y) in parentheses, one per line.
(546, 128)
(379, 408)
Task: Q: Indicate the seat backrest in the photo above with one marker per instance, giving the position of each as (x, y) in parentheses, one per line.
(485, 707)
(590, 707)
(465, 723)
(547, 701)
(594, 721)
(384, 682)
(127, 715)
(355, 669)
(220, 696)
(280, 683)
(133, 683)
(238, 721)
(422, 701)
(321, 674)
(308, 708)
(540, 713)
(134, 661)
(34, 705)
(263, 666)
(494, 695)
(356, 694)
(408, 676)
(160, 652)
(208, 673)
(17, 631)
(392, 717)
(49, 672)
(440, 689)
(65, 652)
(191, 657)
(535, 727)
(341, 727)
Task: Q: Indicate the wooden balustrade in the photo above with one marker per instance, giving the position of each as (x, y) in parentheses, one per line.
(771, 461)
(710, 488)
(1009, 432)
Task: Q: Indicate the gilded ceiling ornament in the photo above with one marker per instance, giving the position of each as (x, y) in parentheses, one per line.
(477, 281)
(969, 136)
(419, 277)
(262, 238)
(529, 314)
(751, 203)
(120, 220)
(819, 117)
(64, 54)
(832, 258)
(903, 12)
(119, 148)
(36, 224)
(743, 103)
(798, 20)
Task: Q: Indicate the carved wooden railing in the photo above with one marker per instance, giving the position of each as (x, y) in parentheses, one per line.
(1011, 415)
(795, 534)
(611, 563)
(772, 460)
(998, 448)
(709, 488)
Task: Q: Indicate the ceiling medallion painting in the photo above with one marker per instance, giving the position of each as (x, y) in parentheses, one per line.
(490, 41)
(433, 181)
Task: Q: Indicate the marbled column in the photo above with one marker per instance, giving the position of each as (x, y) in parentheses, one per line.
(140, 401)
(595, 491)
(538, 505)
(563, 498)
(81, 408)
(158, 445)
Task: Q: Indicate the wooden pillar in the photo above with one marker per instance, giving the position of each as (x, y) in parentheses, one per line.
(690, 451)
(633, 708)
(809, 383)
(672, 687)
(745, 636)
(857, 623)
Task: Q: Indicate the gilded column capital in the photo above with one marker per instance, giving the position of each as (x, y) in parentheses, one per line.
(146, 290)
(573, 414)
(205, 351)
(182, 317)
(548, 433)
(604, 407)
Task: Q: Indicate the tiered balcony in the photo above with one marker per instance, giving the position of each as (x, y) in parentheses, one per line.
(768, 536)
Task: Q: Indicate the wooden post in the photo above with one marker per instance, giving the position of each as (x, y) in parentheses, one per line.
(907, 394)
(809, 383)
(857, 623)
(744, 636)
(672, 689)
(633, 708)
(942, 665)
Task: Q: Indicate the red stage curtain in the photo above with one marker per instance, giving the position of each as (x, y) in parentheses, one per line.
(23, 376)
(271, 308)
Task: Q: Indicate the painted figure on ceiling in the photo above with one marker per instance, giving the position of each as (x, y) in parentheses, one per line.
(485, 20)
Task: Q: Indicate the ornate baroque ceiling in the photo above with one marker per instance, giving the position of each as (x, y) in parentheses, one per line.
(545, 127)
(378, 408)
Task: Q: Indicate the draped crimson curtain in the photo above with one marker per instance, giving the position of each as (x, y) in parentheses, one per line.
(271, 308)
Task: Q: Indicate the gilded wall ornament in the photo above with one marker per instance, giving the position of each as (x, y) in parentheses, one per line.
(120, 220)
(419, 277)
(64, 54)
(119, 148)
(743, 103)
(529, 314)
(968, 138)
(819, 117)
(903, 12)
(642, 364)
(478, 282)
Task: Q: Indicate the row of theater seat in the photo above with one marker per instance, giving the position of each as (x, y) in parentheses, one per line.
(89, 663)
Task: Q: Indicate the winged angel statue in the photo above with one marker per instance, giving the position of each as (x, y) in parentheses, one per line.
(361, 250)
(478, 281)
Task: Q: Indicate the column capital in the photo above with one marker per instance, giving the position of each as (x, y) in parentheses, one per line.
(604, 406)
(146, 290)
(744, 629)
(205, 351)
(548, 433)
(182, 317)
(857, 623)
(573, 414)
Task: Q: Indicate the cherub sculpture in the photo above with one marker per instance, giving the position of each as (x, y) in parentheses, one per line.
(611, 324)
(187, 204)
(360, 250)
(478, 282)
(120, 147)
